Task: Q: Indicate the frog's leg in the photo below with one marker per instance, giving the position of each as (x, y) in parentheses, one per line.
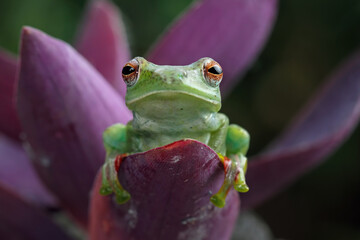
(218, 199)
(218, 143)
(115, 145)
(237, 144)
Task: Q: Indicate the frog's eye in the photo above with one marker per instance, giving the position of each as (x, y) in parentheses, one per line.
(130, 72)
(213, 73)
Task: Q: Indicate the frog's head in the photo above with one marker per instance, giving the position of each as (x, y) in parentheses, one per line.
(154, 90)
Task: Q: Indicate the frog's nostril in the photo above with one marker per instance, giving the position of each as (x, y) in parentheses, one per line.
(180, 75)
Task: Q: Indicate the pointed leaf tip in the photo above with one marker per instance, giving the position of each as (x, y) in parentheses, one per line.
(170, 191)
(64, 105)
(232, 32)
(9, 122)
(320, 128)
(102, 40)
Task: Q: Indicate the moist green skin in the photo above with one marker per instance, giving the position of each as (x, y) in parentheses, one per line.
(170, 103)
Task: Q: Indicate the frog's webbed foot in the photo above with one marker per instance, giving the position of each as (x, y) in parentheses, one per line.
(110, 181)
(235, 169)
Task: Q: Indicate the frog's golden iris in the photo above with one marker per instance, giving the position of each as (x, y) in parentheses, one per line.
(213, 73)
(130, 72)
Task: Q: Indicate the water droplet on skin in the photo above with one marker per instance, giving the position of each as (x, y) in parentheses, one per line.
(22, 136)
(28, 149)
(188, 220)
(175, 159)
(45, 161)
(132, 217)
(200, 233)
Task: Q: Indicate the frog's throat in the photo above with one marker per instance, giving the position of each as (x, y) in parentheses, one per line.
(173, 92)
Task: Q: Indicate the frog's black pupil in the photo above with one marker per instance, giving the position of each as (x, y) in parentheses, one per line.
(128, 70)
(215, 70)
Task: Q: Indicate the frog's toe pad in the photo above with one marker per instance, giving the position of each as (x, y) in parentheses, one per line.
(105, 190)
(243, 188)
(217, 200)
(122, 197)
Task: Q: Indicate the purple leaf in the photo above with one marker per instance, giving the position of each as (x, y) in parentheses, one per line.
(170, 191)
(231, 32)
(103, 42)
(20, 220)
(17, 173)
(9, 122)
(64, 105)
(320, 128)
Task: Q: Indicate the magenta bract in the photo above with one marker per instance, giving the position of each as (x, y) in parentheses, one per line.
(170, 191)
(102, 41)
(20, 220)
(9, 122)
(318, 130)
(231, 31)
(17, 173)
(64, 105)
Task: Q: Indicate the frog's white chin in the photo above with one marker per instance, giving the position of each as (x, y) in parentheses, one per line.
(173, 105)
(164, 101)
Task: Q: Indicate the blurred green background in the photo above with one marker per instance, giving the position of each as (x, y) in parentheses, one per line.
(309, 40)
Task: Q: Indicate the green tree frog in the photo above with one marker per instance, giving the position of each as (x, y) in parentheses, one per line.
(170, 103)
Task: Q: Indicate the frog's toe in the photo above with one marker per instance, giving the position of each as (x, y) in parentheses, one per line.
(106, 188)
(122, 196)
(240, 183)
(243, 188)
(218, 200)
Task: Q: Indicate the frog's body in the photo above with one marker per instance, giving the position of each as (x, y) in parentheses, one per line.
(170, 103)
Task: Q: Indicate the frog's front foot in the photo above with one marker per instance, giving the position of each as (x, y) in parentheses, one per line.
(240, 182)
(110, 182)
(235, 169)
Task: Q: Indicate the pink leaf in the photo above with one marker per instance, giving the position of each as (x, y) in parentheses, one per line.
(9, 122)
(17, 173)
(102, 41)
(320, 128)
(64, 105)
(231, 32)
(170, 191)
(20, 220)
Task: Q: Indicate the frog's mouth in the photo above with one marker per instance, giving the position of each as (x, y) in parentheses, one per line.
(169, 98)
(168, 93)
